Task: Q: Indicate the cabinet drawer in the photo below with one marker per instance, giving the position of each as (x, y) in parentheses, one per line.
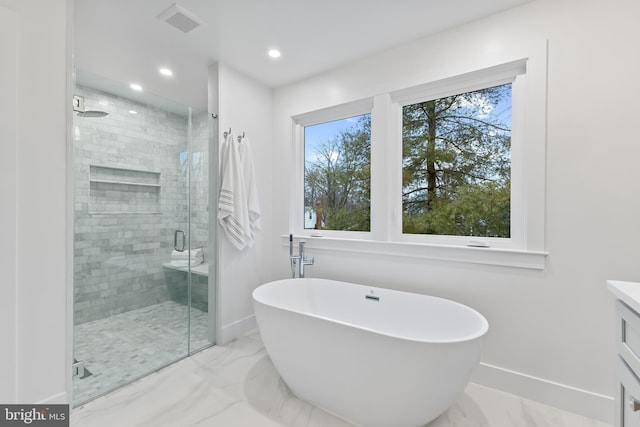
(628, 398)
(628, 335)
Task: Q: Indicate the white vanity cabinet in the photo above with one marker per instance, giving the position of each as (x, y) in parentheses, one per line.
(628, 349)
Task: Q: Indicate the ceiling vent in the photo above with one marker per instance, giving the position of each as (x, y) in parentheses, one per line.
(180, 18)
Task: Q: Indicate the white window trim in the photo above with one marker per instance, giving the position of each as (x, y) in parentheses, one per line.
(485, 256)
(525, 249)
(512, 72)
(343, 111)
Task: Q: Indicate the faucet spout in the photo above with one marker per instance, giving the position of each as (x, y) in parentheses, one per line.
(303, 260)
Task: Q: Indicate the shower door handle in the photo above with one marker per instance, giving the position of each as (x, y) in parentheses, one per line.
(175, 240)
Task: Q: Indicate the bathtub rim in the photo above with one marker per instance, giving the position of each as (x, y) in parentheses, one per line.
(482, 330)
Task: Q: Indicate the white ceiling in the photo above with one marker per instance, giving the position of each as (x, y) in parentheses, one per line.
(123, 40)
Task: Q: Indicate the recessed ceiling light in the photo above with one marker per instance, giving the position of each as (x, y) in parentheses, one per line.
(274, 53)
(136, 87)
(133, 112)
(166, 72)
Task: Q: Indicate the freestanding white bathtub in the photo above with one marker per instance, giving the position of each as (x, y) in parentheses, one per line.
(373, 356)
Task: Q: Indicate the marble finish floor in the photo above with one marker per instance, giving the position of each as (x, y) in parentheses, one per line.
(237, 386)
(126, 346)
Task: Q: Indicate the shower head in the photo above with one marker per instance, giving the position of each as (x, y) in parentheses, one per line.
(92, 113)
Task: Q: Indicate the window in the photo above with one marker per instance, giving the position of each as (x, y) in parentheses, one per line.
(456, 160)
(452, 169)
(337, 171)
(465, 159)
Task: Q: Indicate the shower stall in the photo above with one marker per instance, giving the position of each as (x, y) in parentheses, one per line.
(144, 253)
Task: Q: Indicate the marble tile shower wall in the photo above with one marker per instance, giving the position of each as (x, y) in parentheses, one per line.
(124, 228)
(200, 182)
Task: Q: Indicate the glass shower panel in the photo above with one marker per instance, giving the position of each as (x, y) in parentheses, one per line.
(202, 302)
(135, 296)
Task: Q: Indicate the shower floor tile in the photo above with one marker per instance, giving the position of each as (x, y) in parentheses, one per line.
(237, 386)
(127, 346)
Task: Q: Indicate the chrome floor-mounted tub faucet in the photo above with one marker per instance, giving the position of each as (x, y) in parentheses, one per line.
(299, 259)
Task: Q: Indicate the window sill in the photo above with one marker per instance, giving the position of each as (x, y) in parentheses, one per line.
(473, 255)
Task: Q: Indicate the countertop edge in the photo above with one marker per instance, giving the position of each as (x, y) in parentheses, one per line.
(627, 292)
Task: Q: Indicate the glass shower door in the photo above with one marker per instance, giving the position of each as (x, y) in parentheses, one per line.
(141, 301)
(200, 237)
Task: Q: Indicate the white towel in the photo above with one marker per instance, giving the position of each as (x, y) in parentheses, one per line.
(233, 214)
(185, 262)
(193, 253)
(253, 204)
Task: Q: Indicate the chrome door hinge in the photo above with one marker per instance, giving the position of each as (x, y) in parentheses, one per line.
(78, 103)
(77, 369)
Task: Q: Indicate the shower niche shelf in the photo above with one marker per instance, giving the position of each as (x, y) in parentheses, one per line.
(117, 190)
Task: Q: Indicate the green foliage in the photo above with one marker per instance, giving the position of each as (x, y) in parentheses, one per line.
(456, 168)
(456, 165)
(477, 210)
(339, 181)
(358, 219)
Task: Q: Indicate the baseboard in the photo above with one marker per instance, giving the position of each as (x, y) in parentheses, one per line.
(236, 329)
(60, 398)
(583, 402)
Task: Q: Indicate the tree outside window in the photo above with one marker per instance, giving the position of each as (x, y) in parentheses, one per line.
(456, 177)
(337, 175)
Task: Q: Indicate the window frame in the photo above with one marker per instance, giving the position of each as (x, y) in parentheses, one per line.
(300, 121)
(514, 73)
(526, 69)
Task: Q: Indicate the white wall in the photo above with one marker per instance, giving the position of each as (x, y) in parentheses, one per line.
(245, 106)
(551, 332)
(34, 360)
(8, 193)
